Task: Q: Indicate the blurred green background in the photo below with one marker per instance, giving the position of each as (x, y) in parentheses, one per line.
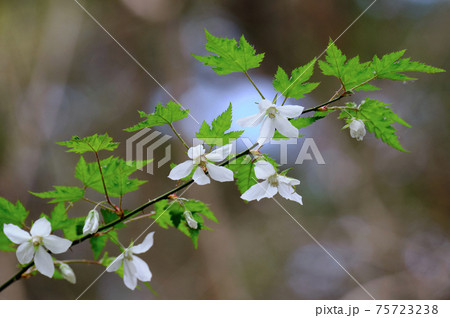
(383, 214)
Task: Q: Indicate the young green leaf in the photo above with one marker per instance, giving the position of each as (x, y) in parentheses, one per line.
(216, 135)
(61, 194)
(10, 214)
(93, 143)
(378, 119)
(295, 86)
(244, 173)
(98, 243)
(230, 57)
(163, 115)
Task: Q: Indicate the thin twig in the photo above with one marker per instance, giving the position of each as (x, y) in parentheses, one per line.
(179, 136)
(254, 85)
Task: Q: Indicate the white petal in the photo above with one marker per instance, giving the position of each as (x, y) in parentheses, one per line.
(264, 104)
(259, 191)
(16, 234)
(91, 223)
(218, 173)
(182, 170)
(267, 131)
(263, 169)
(41, 227)
(290, 111)
(287, 192)
(285, 127)
(67, 273)
(115, 265)
(145, 245)
(196, 151)
(129, 275)
(55, 244)
(25, 252)
(287, 180)
(220, 153)
(251, 121)
(200, 177)
(142, 271)
(44, 262)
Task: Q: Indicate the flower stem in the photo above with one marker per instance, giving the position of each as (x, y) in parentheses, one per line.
(254, 85)
(344, 94)
(103, 181)
(97, 204)
(179, 136)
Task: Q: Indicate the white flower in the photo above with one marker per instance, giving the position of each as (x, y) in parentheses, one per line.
(67, 273)
(134, 268)
(273, 117)
(92, 222)
(193, 224)
(357, 129)
(32, 246)
(274, 183)
(200, 161)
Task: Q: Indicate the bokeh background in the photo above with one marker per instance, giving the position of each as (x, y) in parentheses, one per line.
(383, 214)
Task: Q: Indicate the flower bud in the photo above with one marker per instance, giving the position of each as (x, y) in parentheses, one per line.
(190, 220)
(357, 129)
(67, 273)
(92, 222)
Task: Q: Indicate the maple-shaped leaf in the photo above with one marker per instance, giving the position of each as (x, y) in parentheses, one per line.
(230, 56)
(163, 115)
(93, 143)
(378, 119)
(295, 86)
(61, 194)
(216, 133)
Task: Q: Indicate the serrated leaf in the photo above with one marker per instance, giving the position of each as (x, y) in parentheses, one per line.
(295, 86)
(73, 228)
(58, 217)
(116, 174)
(163, 115)
(298, 123)
(216, 135)
(10, 214)
(61, 194)
(378, 119)
(244, 173)
(230, 57)
(93, 143)
(98, 243)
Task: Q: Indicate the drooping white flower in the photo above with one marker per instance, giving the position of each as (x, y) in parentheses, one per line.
(67, 273)
(273, 183)
(357, 129)
(273, 117)
(35, 246)
(193, 224)
(134, 268)
(199, 161)
(92, 222)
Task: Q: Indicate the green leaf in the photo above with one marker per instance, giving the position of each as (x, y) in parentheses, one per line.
(61, 194)
(58, 217)
(298, 123)
(244, 173)
(295, 86)
(230, 57)
(97, 245)
(378, 119)
(163, 115)
(116, 174)
(391, 65)
(73, 228)
(10, 214)
(93, 143)
(216, 135)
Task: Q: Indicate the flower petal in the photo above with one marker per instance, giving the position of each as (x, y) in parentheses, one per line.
(285, 127)
(200, 177)
(41, 227)
(44, 262)
(251, 121)
(287, 180)
(129, 275)
(264, 104)
(259, 191)
(182, 170)
(290, 111)
(115, 265)
(267, 131)
(196, 151)
(142, 271)
(91, 223)
(220, 153)
(25, 252)
(263, 169)
(218, 173)
(16, 234)
(287, 192)
(55, 244)
(144, 246)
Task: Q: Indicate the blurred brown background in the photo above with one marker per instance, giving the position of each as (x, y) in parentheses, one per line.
(383, 214)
